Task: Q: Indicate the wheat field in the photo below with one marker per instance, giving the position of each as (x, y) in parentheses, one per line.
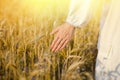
(25, 39)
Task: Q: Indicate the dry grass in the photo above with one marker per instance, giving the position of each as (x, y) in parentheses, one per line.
(25, 41)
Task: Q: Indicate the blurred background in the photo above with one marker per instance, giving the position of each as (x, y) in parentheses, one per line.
(24, 42)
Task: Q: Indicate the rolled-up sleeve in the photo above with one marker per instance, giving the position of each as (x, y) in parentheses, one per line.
(79, 13)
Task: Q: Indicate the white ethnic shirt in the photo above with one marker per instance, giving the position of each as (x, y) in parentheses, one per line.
(108, 59)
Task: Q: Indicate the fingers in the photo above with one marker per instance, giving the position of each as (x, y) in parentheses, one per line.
(53, 43)
(65, 43)
(63, 36)
(54, 31)
(60, 45)
(56, 44)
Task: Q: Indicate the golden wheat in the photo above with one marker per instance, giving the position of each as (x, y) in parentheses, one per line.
(25, 41)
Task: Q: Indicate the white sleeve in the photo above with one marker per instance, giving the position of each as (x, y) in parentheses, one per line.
(79, 12)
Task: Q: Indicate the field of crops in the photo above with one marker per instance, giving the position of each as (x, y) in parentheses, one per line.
(25, 39)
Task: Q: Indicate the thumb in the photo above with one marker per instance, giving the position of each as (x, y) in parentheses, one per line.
(54, 31)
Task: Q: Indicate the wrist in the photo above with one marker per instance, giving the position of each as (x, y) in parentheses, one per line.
(70, 25)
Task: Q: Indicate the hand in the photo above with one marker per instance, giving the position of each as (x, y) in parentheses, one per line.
(64, 34)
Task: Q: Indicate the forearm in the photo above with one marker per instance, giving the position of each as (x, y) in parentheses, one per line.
(79, 12)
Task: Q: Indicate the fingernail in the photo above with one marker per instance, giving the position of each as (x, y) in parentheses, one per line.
(56, 50)
(51, 33)
(52, 50)
(51, 46)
